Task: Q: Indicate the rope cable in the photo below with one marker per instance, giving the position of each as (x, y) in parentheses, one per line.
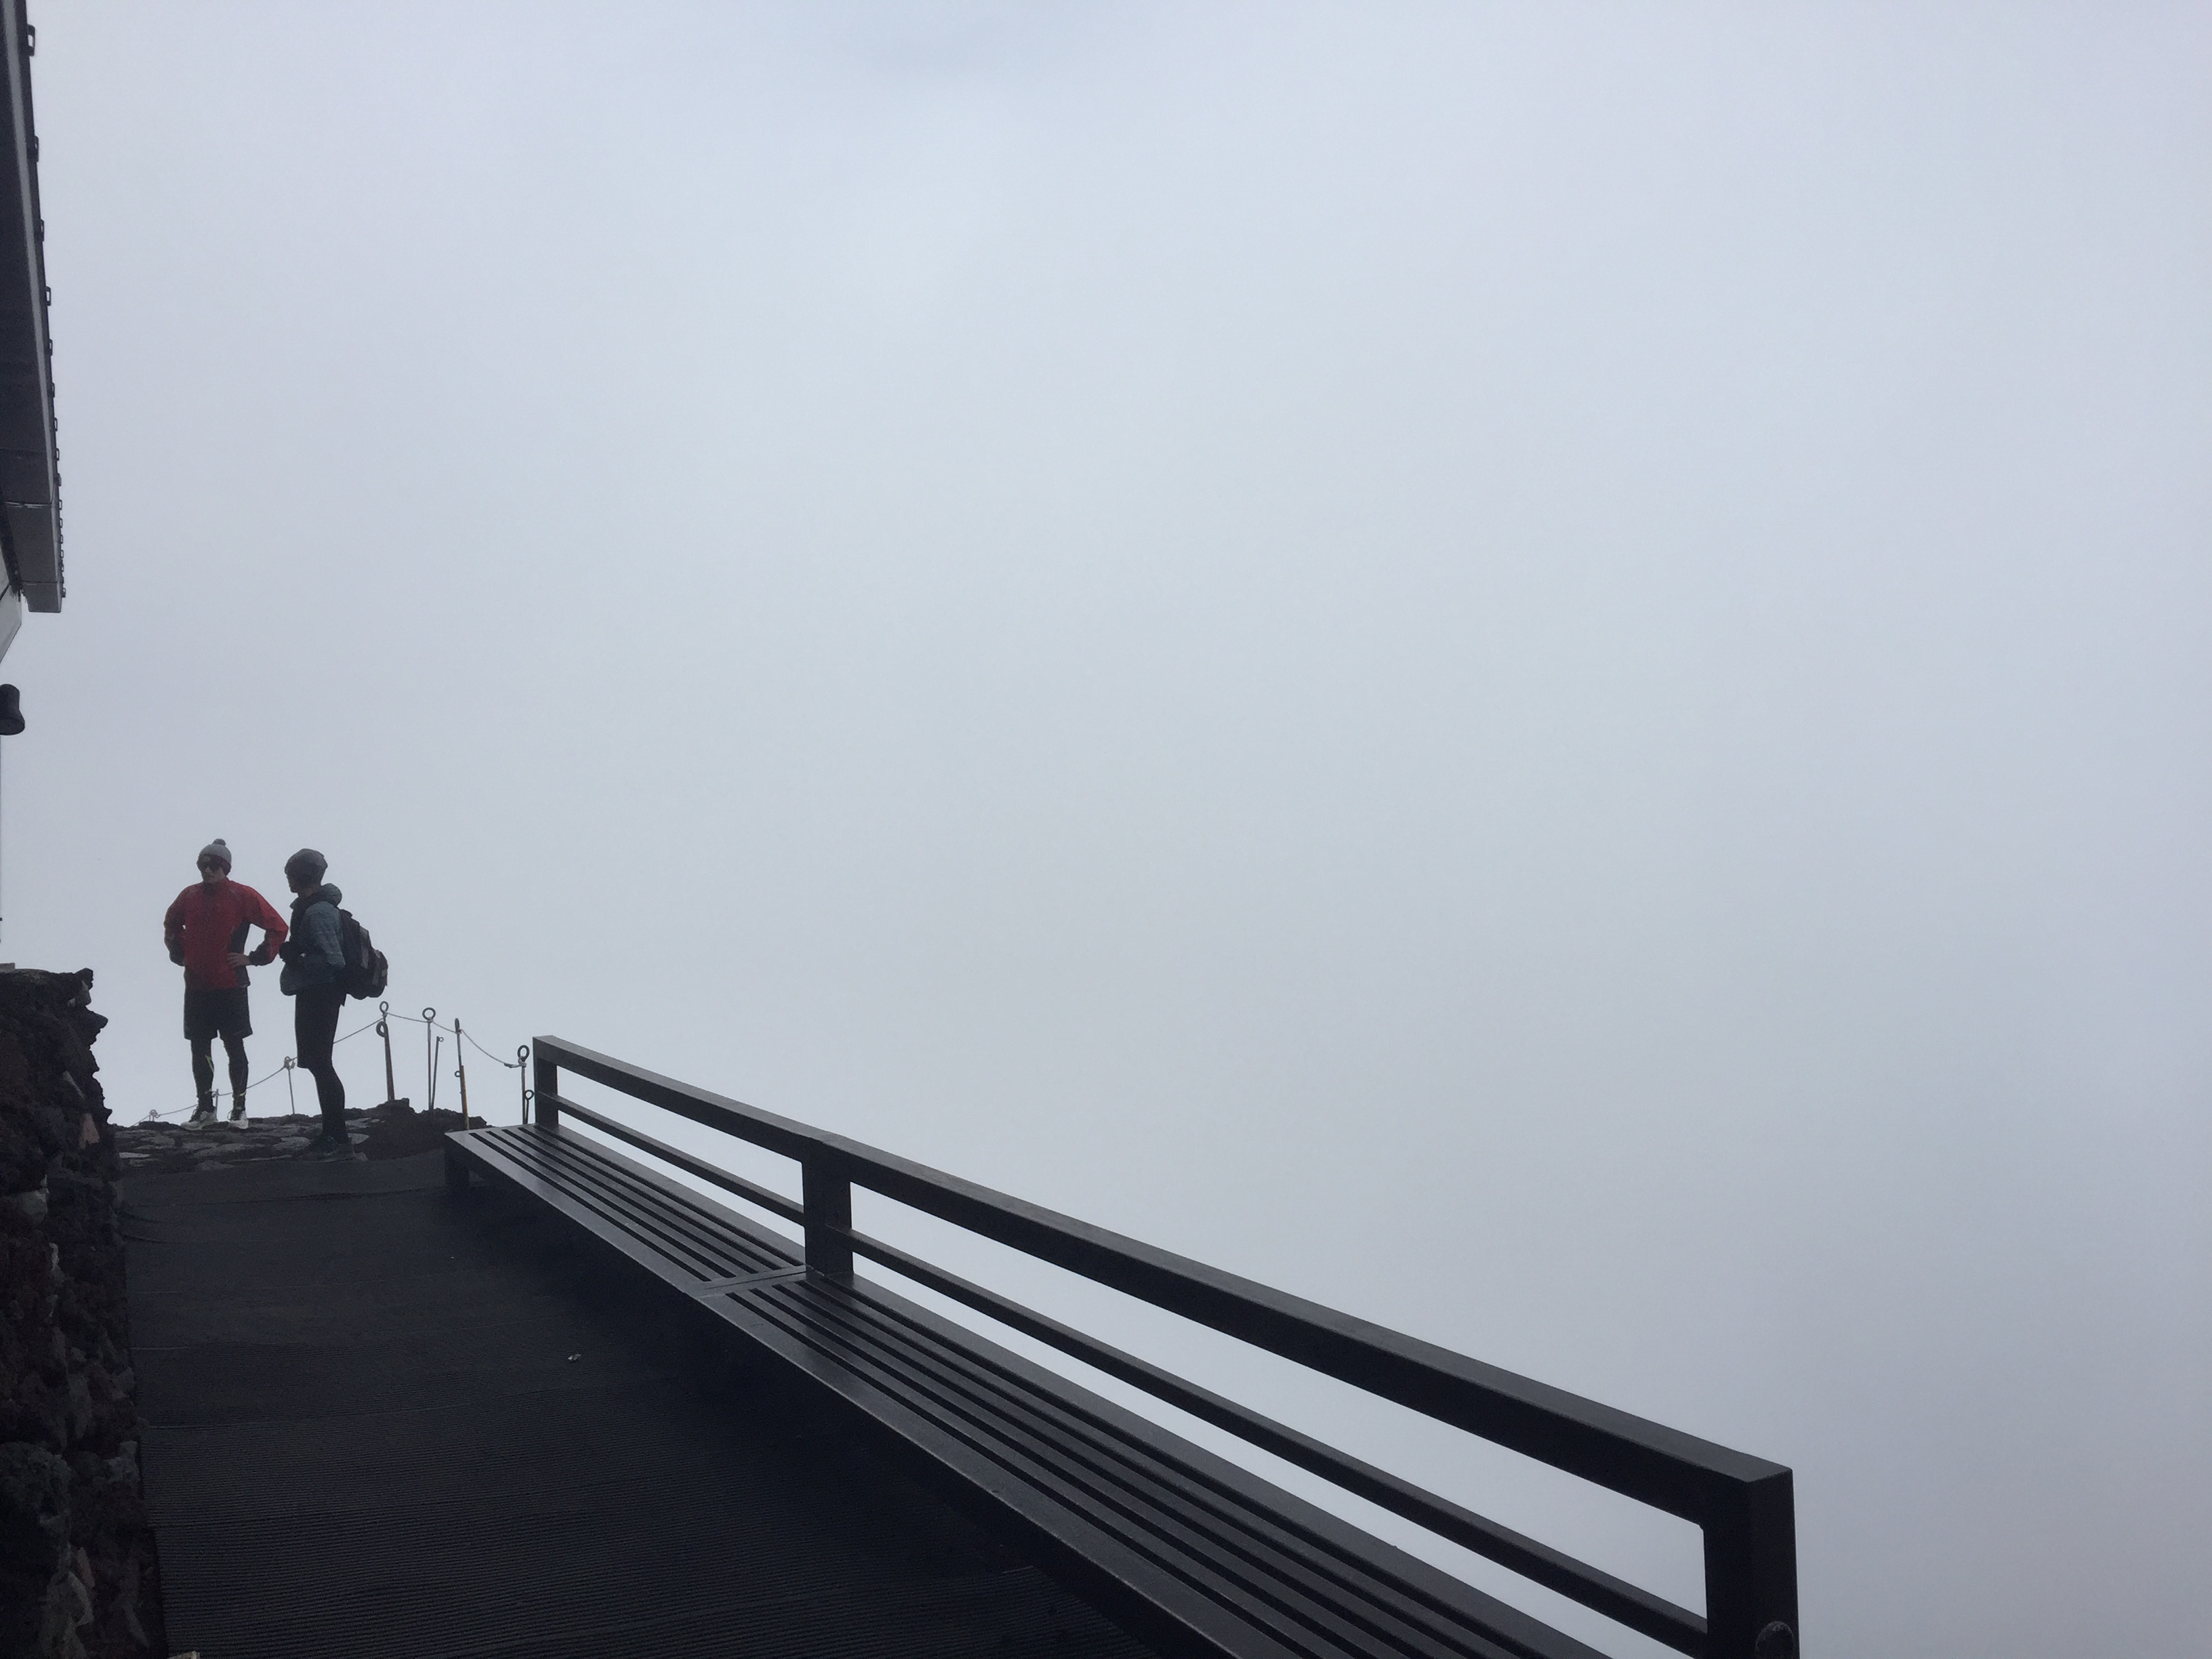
(387, 1014)
(466, 1036)
(269, 1076)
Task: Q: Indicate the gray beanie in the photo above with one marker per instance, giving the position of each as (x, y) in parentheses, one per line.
(306, 863)
(215, 849)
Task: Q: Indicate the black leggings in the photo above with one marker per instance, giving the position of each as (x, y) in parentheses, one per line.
(314, 1023)
(234, 1049)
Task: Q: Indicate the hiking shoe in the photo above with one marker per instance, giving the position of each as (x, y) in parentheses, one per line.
(202, 1115)
(238, 1115)
(330, 1147)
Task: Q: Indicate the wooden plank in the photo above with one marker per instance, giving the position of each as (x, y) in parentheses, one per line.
(1184, 1549)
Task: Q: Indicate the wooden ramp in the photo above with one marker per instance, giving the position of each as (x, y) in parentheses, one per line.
(385, 1419)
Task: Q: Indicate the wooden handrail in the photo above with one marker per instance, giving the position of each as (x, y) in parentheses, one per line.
(1744, 1504)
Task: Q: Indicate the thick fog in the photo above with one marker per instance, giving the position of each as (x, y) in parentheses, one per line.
(1543, 673)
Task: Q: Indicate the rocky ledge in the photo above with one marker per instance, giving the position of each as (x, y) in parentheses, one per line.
(392, 1130)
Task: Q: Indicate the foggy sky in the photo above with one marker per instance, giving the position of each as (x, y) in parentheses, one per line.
(1542, 673)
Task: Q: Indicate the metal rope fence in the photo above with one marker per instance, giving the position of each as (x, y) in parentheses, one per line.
(434, 1038)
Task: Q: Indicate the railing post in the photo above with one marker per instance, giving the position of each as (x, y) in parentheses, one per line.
(545, 1087)
(1750, 1574)
(827, 1197)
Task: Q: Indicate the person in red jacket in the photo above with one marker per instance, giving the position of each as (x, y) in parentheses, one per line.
(206, 930)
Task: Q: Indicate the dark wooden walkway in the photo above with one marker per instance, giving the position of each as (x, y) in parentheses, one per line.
(385, 1420)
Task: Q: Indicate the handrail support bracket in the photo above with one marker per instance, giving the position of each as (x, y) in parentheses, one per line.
(826, 1193)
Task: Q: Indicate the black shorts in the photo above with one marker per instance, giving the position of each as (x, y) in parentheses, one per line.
(210, 1014)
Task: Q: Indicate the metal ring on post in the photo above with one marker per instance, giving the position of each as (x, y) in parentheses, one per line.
(429, 1060)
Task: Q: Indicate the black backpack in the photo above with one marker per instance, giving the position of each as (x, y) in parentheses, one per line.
(364, 969)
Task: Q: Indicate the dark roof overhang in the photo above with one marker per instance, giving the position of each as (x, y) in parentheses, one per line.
(30, 479)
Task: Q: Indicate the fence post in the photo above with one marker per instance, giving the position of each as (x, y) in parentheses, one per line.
(1751, 1573)
(545, 1087)
(827, 1196)
(461, 1069)
(384, 1030)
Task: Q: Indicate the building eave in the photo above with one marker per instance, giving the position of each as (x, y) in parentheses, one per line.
(30, 477)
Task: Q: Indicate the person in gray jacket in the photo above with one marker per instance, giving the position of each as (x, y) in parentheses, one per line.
(314, 960)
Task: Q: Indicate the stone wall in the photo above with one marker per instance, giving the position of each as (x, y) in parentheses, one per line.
(77, 1573)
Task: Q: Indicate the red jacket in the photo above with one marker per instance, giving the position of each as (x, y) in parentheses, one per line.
(210, 922)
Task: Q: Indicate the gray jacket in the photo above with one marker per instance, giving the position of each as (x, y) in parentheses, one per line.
(314, 955)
